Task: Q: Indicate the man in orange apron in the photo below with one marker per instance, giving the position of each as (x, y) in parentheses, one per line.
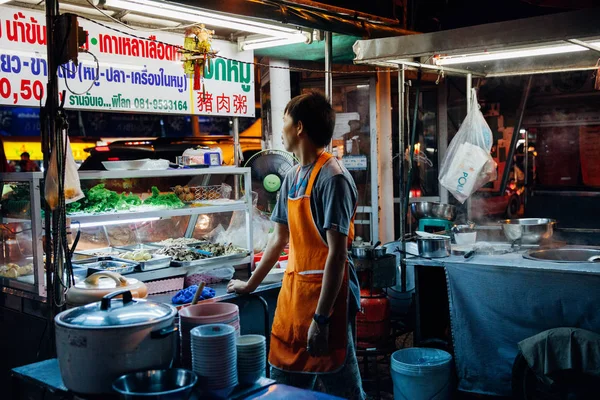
(311, 334)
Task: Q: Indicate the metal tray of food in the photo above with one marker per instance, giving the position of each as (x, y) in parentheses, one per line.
(150, 248)
(121, 267)
(158, 261)
(192, 242)
(209, 260)
(92, 255)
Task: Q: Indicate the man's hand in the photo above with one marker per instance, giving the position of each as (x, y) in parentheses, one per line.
(318, 339)
(239, 287)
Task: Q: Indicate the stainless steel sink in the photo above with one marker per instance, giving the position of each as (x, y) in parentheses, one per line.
(566, 255)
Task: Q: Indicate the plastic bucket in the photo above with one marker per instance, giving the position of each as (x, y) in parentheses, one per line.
(421, 374)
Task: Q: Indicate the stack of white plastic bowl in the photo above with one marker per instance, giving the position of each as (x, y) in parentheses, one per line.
(214, 358)
(204, 314)
(251, 358)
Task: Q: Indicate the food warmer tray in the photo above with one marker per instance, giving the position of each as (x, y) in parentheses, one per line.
(120, 267)
(150, 248)
(158, 261)
(159, 245)
(209, 260)
(81, 256)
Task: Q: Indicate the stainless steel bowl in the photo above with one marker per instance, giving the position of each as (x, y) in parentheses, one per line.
(165, 384)
(427, 209)
(528, 230)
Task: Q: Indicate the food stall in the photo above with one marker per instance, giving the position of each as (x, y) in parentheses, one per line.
(159, 226)
(482, 300)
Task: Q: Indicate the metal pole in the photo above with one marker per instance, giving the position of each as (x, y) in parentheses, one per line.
(526, 166)
(236, 155)
(469, 87)
(328, 77)
(402, 211)
(49, 135)
(328, 63)
(515, 136)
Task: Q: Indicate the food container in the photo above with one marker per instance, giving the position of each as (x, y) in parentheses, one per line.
(166, 384)
(434, 247)
(120, 267)
(150, 248)
(465, 238)
(528, 230)
(104, 253)
(99, 284)
(230, 258)
(158, 261)
(99, 342)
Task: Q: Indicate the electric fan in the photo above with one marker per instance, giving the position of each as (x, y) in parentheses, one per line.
(269, 168)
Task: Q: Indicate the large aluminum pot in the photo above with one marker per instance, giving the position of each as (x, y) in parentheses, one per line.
(99, 342)
(528, 230)
(434, 247)
(427, 209)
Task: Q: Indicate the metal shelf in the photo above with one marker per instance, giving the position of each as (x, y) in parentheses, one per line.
(168, 173)
(15, 220)
(128, 215)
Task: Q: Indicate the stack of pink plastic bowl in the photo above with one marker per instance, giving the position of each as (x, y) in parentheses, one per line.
(204, 314)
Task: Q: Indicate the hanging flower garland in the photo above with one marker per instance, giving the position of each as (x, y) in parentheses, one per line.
(198, 46)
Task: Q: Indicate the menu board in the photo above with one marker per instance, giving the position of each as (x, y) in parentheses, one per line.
(139, 71)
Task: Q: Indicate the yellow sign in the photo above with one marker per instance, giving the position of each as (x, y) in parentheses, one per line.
(13, 150)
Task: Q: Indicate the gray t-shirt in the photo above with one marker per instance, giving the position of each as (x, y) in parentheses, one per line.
(332, 202)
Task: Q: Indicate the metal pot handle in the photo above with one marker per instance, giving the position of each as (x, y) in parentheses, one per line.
(106, 300)
(164, 332)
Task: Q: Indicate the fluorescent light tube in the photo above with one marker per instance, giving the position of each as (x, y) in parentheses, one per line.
(168, 10)
(76, 224)
(274, 42)
(510, 54)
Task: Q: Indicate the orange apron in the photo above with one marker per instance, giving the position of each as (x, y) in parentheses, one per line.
(300, 292)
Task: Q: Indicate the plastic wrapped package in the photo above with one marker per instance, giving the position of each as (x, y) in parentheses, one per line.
(236, 232)
(72, 186)
(468, 165)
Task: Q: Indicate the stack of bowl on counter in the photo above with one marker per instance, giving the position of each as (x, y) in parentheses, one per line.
(133, 342)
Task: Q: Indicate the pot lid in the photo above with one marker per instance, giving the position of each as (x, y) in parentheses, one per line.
(111, 312)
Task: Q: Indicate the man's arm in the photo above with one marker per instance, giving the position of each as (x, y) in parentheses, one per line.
(333, 276)
(334, 272)
(277, 243)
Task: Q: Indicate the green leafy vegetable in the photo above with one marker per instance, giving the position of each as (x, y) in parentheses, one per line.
(169, 200)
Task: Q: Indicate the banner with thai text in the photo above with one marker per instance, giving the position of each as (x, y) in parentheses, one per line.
(141, 73)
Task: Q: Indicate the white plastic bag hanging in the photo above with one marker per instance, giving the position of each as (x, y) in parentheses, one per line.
(468, 165)
(72, 185)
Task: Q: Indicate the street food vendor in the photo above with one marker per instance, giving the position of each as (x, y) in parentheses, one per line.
(312, 333)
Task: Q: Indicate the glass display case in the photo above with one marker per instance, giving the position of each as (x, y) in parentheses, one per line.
(203, 215)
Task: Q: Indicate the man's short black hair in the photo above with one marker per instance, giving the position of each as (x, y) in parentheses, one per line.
(316, 114)
(25, 154)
